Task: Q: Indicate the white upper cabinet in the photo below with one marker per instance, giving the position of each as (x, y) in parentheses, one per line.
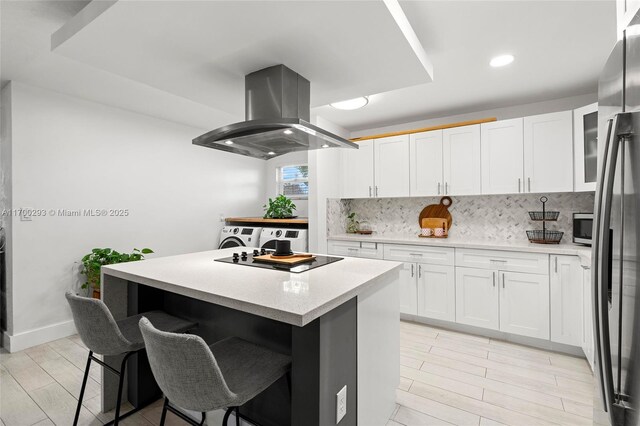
(548, 152)
(502, 156)
(461, 160)
(426, 163)
(585, 147)
(524, 304)
(391, 166)
(357, 171)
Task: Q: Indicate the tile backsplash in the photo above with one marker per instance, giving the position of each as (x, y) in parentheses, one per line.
(486, 217)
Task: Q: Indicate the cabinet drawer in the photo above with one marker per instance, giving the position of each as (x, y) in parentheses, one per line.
(532, 263)
(419, 254)
(356, 249)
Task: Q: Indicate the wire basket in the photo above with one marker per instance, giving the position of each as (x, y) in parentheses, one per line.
(544, 215)
(543, 236)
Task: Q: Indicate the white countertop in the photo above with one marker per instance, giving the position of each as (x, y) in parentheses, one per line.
(583, 252)
(296, 299)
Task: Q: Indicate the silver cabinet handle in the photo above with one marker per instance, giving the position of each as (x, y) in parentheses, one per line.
(446, 188)
(369, 190)
(494, 278)
(419, 271)
(376, 190)
(529, 183)
(556, 262)
(352, 249)
(415, 254)
(438, 188)
(519, 179)
(503, 280)
(412, 265)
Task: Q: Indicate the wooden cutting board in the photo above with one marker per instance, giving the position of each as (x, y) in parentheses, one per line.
(435, 222)
(437, 211)
(294, 259)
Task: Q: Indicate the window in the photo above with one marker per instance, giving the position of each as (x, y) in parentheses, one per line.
(293, 181)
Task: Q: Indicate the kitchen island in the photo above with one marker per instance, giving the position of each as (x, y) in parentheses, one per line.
(338, 322)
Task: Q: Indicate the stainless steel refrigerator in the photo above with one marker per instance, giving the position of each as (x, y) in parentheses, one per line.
(616, 253)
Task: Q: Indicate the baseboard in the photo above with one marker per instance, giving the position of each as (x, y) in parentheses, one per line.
(20, 341)
(495, 334)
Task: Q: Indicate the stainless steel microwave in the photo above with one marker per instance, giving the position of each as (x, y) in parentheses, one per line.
(583, 228)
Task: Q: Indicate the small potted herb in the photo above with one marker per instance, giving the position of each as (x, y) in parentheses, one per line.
(92, 262)
(280, 207)
(352, 223)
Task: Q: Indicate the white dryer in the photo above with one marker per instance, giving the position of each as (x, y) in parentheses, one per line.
(298, 238)
(239, 236)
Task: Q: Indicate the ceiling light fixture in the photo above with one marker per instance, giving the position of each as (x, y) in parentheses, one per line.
(325, 145)
(229, 142)
(501, 61)
(271, 153)
(351, 104)
(288, 132)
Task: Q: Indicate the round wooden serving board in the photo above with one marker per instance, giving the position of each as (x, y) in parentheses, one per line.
(434, 211)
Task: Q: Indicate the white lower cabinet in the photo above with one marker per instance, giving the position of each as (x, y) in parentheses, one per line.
(588, 345)
(436, 291)
(566, 300)
(524, 304)
(408, 289)
(477, 298)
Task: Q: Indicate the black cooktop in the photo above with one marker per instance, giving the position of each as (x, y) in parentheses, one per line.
(246, 259)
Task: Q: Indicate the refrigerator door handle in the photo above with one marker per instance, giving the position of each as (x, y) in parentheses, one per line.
(601, 252)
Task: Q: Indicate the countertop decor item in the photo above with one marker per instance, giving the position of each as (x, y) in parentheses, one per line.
(544, 236)
(364, 228)
(92, 262)
(352, 223)
(436, 216)
(280, 207)
(291, 260)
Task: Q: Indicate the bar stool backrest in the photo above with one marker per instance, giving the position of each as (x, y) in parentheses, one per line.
(96, 326)
(185, 369)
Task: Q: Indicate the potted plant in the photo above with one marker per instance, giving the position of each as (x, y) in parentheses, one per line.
(92, 262)
(352, 223)
(279, 208)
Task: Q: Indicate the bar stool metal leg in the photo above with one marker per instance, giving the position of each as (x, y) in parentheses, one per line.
(123, 367)
(237, 416)
(225, 420)
(164, 411)
(84, 385)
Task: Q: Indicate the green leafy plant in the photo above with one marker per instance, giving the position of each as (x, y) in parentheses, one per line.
(352, 223)
(279, 208)
(92, 262)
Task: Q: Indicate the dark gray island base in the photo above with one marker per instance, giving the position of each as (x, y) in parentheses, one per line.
(352, 341)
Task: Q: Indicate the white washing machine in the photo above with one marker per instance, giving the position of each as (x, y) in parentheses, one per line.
(239, 236)
(298, 238)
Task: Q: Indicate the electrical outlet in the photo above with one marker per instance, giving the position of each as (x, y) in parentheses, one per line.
(341, 404)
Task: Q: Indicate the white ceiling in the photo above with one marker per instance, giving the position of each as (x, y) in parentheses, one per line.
(185, 61)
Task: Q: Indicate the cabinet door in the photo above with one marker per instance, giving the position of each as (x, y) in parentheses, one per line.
(357, 171)
(585, 147)
(524, 304)
(477, 298)
(392, 166)
(566, 295)
(426, 163)
(461, 160)
(436, 292)
(408, 289)
(548, 152)
(587, 317)
(502, 156)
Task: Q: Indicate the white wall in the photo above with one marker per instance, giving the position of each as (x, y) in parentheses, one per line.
(68, 153)
(300, 157)
(505, 113)
(5, 190)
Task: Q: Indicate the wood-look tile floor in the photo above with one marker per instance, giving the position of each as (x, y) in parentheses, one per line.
(446, 378)
(455, 378)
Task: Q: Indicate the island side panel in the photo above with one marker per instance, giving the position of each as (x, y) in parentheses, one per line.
(325, 359)
(113, 293)
(378, 350)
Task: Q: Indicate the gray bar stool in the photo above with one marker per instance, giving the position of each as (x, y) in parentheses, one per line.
(103, 335)
(197, 377)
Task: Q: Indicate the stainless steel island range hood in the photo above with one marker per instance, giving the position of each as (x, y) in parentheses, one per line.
(277, 116)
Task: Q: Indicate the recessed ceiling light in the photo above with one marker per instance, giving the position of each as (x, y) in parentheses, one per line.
(288, 132)
(271, 153)
(326, 145)
(351, 103)
(501, 61)
(229, 142)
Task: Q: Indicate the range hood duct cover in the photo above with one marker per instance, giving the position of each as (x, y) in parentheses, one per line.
(277, 112)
